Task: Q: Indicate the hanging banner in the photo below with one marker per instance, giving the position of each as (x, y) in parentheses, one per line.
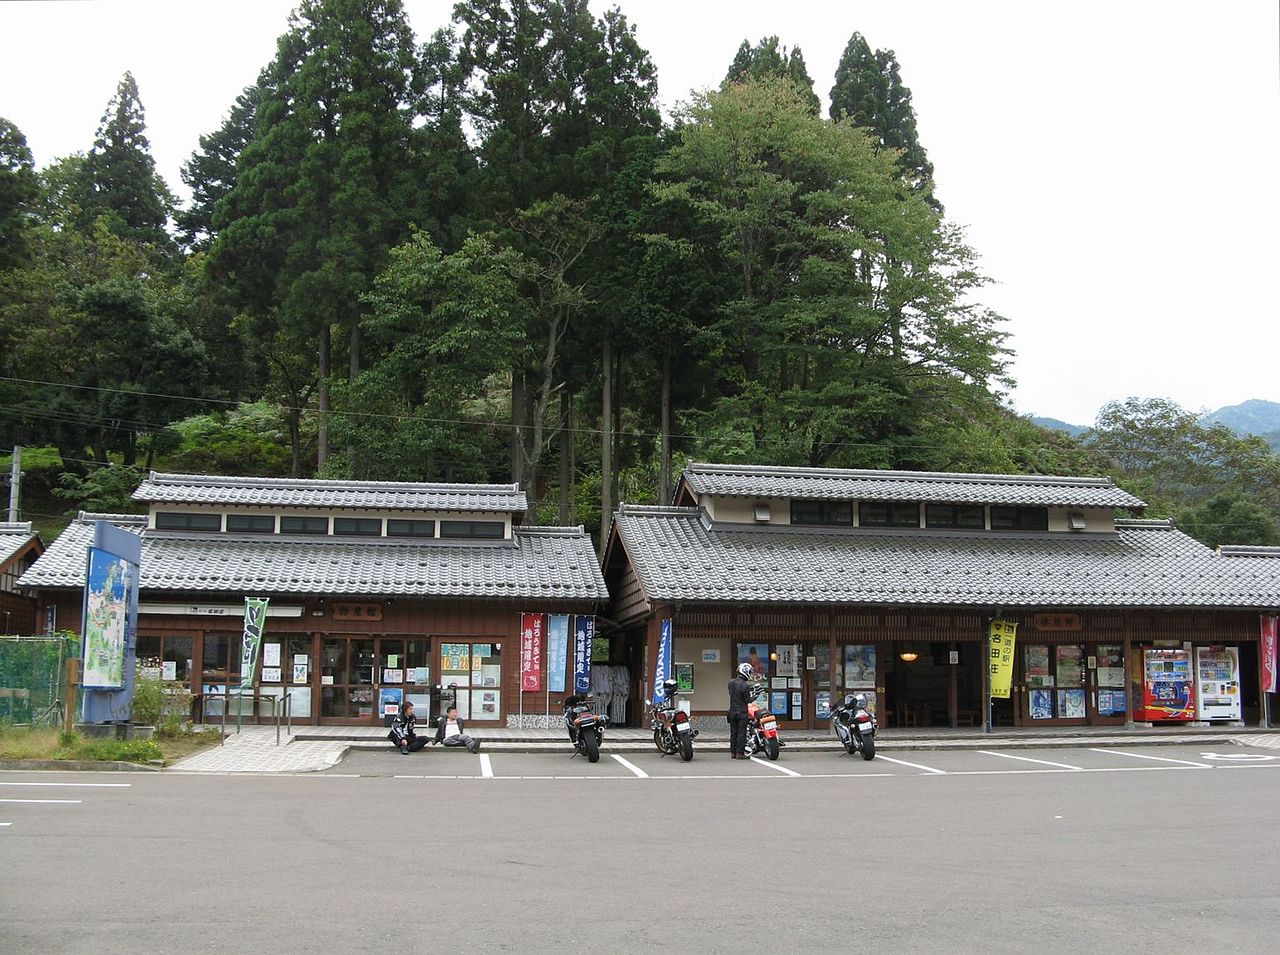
(531, 626)
(662, 671)
(1268, 651)
(557, 651)
(584, 631)
(255, 618)
(1000, 639)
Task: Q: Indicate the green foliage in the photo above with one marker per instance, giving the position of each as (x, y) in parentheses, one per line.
(1230, 518)
(148, 698)
(18, 191)
(769, 59)
(107, 490)
(111, 750)
(250, 439)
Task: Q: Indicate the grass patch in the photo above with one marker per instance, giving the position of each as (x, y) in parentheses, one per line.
(22, 742)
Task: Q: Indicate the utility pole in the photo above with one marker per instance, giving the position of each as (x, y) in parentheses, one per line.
(15, 478)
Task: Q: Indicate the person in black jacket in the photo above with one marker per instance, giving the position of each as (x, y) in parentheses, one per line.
(402, 734)
(451, 731)
(739, 696)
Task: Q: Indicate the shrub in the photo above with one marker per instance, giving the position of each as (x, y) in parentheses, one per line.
(122, 750)
(148, 699)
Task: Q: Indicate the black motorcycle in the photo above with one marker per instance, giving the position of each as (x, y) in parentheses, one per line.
(672, 731)
(586, 728)
(855, 726)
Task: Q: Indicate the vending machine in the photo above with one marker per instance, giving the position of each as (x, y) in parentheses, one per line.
(1167, 688)
(1218, 683)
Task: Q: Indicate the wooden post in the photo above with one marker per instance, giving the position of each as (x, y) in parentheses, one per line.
(986, 682)
(69, 699)
(953, 707)
(1129, 700)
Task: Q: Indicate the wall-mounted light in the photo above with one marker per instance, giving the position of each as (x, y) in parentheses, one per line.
(773, 655)
(908, 656)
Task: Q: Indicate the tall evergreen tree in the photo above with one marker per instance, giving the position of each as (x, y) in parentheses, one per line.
(210, 173)
(121, 182)
(769, 58)
(869, 92)
(18, 191)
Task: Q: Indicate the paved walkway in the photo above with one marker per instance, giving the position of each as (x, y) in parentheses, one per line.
(314, 748)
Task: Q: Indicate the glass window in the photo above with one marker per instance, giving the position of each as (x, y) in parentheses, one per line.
(304, 525)
(821, 512)
(358, 526)
(474, 670)
(1019, 518)
(967, 516)
(404, 528)
(484, 530)
(251, 523)
(888, 514)
(188, 521)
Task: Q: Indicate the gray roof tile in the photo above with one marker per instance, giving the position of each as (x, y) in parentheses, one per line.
(299, 492)
(838, 484)
(14, 537)
(541, 562)
(680, 557)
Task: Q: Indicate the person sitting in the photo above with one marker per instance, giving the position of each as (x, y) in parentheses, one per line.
(402, 734)
(451, 731)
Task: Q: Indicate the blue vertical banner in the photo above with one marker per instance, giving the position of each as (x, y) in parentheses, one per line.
(584, 630)
(557, 651)
(663, 670)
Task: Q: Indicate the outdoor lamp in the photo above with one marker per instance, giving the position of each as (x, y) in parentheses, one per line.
(909, 656)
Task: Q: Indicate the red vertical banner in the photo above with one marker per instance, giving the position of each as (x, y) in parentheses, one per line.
(532, 626)
(1267, 651)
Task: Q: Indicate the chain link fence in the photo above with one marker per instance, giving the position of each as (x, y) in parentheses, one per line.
(33, 675)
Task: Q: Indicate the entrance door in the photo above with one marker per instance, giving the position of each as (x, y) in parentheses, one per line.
(347, 690)
(1108, 696)
(471, 674)
(1055, 684)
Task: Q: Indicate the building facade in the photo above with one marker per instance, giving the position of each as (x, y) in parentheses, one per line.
(378, 591)
(20, 547)
(886, 583)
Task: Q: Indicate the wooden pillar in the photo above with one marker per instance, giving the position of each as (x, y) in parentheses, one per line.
(986, 682)
(1129, 700)
(953, 708)
(73, 680)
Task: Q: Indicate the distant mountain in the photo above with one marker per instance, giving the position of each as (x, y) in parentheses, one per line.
(1254, 416)
(1053, 424)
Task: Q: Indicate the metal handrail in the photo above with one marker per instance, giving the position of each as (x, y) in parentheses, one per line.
(256, 698)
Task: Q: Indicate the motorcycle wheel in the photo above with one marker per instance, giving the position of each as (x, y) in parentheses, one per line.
(686, 747)
(592, 746)
(771, 748)
(850, 746)
(868, 748)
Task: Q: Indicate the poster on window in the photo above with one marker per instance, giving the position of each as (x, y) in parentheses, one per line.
(822, 704)
(757, 654)
(778, 704)
(531, 630)
(860, 667)
(1041, 703)
(788, 660)
(1071, 704)
(389, 700)
(1070, 666)
(1110, 665)
(1036, 662)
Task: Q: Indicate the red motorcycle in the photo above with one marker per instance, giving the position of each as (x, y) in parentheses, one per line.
(762, 731)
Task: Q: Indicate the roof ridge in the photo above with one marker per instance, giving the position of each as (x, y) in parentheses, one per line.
(549, 530)
(657, 510)
(231, 480)
(15, 527)
(1248, 550)
(1148, 522)
(764, 470)
(88, 517)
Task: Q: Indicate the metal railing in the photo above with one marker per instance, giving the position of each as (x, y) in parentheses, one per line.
(281, 706)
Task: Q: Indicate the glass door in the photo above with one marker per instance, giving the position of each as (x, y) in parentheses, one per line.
(471, 674)
(1107, 698)
(347, 679)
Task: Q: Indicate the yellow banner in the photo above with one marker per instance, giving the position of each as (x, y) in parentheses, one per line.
(1000, 642)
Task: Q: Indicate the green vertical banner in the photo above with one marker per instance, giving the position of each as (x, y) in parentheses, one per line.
(255, 621)
(1000, 642)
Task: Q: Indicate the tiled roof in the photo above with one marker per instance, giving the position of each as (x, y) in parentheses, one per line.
(836, 484)
(541, 562)
(14, 537)
(299, 492)
(680, 557)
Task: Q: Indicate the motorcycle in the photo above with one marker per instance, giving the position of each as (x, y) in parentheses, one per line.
(672, 731)
(762, 731)
(855, 727)
(586, 728)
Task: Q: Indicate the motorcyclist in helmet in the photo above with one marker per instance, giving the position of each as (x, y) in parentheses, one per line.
(739, 696)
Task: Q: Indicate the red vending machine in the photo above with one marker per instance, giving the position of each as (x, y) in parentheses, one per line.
(1166, 686)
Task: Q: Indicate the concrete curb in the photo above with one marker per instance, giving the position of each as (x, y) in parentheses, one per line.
(77, 765)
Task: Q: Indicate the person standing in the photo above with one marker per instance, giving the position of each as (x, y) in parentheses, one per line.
(739, 696)
(402, 734)
(451, 731)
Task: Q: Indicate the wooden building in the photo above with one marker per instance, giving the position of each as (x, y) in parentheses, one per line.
(886, 583)
(373, 586)
(20, 547)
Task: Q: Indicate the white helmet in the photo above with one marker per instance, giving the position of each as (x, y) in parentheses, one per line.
(745, 670)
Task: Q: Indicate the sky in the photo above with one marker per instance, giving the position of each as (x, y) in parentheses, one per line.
(1114, 163)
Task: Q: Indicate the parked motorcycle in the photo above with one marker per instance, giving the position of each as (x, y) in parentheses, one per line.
(762, 731)
(586, 728)
(672, 731)
(855, 727)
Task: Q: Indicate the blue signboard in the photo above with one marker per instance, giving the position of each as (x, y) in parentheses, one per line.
(557, 648)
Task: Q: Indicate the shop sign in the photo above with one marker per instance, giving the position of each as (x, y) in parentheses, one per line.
(353, 611)
(584, 631)
(1000, 639)
(531, 652)
(1056, 621)
(557, 651)
(1268, 650)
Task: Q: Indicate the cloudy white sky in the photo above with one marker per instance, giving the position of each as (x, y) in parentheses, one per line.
(1114, 162)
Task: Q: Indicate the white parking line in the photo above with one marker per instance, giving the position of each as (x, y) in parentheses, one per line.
(903, 762)
(486, 767)
(781, 769)
(631, 766)
(44, 800)
(79, 785)
(6, 824)
(1028, 759)
(1162, 759)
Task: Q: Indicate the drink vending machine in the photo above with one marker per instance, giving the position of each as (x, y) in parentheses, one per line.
(1218, 683)
(1167, 688)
